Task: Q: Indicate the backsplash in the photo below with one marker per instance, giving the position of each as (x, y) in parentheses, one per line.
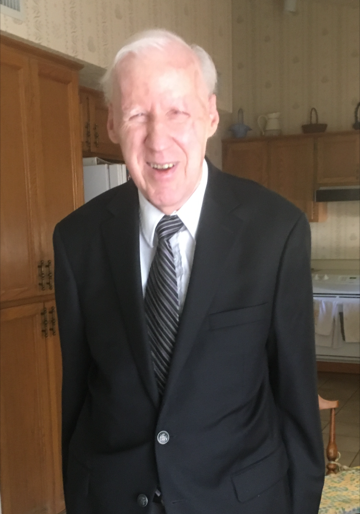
(339, 236)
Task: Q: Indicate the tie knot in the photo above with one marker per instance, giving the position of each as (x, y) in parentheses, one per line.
(168, 226)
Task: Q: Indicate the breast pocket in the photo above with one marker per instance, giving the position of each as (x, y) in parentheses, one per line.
(233, 318)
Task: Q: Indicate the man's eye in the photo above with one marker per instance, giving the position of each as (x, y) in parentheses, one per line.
(137, 116)
(178, 115)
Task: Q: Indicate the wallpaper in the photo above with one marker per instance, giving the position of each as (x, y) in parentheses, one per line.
(339, 236)
(290, 62)
(267, 60)
(214, 147)
(93, 30)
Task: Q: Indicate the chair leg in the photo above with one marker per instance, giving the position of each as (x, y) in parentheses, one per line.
(332, 450)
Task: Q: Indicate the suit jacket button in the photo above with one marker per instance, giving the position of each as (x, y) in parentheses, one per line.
(163, 437)
(142, 500)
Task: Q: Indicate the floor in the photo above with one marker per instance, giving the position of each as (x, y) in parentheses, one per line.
(345, 388)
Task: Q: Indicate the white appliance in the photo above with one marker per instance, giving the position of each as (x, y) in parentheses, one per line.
(338, 287)
(99, 176)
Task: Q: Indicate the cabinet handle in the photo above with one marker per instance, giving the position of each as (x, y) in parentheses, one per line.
(52, 321)
(50, 275)
(41, 275)
(45, 323)
(88, 135)
(96, 135)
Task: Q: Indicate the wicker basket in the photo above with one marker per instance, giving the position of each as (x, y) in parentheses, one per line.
(314, 127)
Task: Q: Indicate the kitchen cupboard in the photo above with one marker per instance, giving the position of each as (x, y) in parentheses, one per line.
(269, 164)
(94, 136)
(338, 158)
(296, 165)
(249, 159)
(291, 172)
(41, 173)
(20, 239)
(30, 403)
(41, 182)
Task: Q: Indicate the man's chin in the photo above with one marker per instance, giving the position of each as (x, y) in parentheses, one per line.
(166, 203)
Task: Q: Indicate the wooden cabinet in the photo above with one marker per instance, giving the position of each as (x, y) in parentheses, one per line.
(94, 135)
(41, 182)
(41, 173)
(30, 450)
(283, 164)
(248, 160)
(20, 239)
(337, 157)
(291, 172)
(295, 166)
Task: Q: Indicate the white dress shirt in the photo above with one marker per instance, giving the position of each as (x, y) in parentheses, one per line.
(182, 243)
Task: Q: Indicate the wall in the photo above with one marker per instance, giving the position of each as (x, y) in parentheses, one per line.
(213, 150)
(339, 236)
(91, 31)
(290, 62)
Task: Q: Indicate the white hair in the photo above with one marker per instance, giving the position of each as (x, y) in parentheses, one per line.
(159, 39)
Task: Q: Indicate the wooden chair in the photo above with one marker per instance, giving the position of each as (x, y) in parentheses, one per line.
(331, 450)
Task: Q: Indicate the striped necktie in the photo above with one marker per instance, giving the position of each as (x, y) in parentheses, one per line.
(162, 300)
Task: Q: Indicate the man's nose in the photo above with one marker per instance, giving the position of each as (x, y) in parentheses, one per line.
(158, 137)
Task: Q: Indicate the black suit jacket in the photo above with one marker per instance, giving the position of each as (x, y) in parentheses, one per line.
(240, 404)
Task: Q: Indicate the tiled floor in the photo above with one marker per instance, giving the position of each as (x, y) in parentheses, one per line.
(345, 388)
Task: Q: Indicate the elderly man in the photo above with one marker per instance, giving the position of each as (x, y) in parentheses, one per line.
(185, 309)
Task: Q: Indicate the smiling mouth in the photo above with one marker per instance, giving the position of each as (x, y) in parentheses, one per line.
(166, 166)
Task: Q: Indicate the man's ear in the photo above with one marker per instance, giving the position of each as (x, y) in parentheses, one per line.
(111, 125)
(214, 115)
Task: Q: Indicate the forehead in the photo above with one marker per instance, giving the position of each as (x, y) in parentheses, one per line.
(173, 71)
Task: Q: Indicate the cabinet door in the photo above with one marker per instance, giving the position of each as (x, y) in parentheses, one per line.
(338, 159)
(53, 355)
(26, 440)
(59, 166)
(292, 171)
(20, 241)
(100, 141)
(246, 159)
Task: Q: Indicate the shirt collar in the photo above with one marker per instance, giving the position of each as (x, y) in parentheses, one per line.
(189, 213)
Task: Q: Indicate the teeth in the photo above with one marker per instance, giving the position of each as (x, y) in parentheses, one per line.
(162, 166)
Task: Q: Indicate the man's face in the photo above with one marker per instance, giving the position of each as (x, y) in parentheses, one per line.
(162, 115)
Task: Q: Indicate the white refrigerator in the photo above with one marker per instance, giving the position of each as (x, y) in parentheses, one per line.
(99, 176)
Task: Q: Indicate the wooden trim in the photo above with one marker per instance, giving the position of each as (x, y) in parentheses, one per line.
(90, 91)
(25, 301)
(39, 52)
(314, 135)
(76, 149)
(338, 367)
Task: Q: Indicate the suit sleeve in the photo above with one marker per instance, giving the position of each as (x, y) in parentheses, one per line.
(293, 371)
(75, 352)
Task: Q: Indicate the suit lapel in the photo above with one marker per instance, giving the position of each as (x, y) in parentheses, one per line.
(121, 237)
(219, 230)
